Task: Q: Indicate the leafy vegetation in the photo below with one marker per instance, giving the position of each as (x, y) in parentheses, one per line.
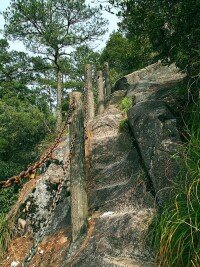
(47, 28)
(176, 238)
(125, 55)
(8, 197)
(5, 234)
(125, 104)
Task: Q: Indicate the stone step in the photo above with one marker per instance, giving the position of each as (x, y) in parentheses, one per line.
(118, 240)
(115, 173)
(126, 262)
(126, 196)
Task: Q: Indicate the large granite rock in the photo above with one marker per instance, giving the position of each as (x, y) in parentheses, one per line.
(154, 123)
(155, 131)
(142, 80)
(134, 77)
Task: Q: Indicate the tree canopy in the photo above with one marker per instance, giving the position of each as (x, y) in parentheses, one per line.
(172, 28)
(48, 27)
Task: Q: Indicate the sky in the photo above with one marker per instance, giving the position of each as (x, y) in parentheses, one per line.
(99, 45)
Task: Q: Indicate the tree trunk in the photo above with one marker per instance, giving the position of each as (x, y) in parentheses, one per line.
(50, 100)
(59, 101)
(107, 79)
(100, 93)
(79, 205)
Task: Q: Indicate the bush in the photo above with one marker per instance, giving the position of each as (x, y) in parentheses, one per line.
(23, 128)
(7, 198)
(8, 169)
(5, 235)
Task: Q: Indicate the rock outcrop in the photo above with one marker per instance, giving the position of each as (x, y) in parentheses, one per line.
(155, 131)
(125, 172)
(154, 125)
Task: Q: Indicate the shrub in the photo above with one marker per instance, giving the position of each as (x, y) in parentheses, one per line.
(5, 235)
(8, 197)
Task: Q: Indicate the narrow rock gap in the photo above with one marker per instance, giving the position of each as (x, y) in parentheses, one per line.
(150, 187)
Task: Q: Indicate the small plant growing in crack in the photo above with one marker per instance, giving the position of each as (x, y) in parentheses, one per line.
(125, 104)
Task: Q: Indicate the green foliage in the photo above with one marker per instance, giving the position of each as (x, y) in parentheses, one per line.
(113, 54)
(8, 196)
(125, 104)
(125, 55)
(175, 233)
(114, 76)
(9, 168)
(175, 38)
(15, 72)
(5, 235)
(22, 127)
(124, 126)
(48, 28)
(25, 118)
(78, 59)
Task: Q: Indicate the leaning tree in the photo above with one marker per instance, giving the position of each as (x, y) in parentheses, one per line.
(50, 28)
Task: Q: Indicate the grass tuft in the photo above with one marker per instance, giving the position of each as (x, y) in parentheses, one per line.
(125, 104)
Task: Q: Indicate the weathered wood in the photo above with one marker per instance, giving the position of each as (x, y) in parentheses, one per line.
(79, 205)
(90, 110)
(59, 101)
(100, 93)
(107, 79)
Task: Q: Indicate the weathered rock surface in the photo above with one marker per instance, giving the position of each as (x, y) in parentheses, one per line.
(118, 196)
(153, 122)
(35, 206)
(142, 82)
(157, 137)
